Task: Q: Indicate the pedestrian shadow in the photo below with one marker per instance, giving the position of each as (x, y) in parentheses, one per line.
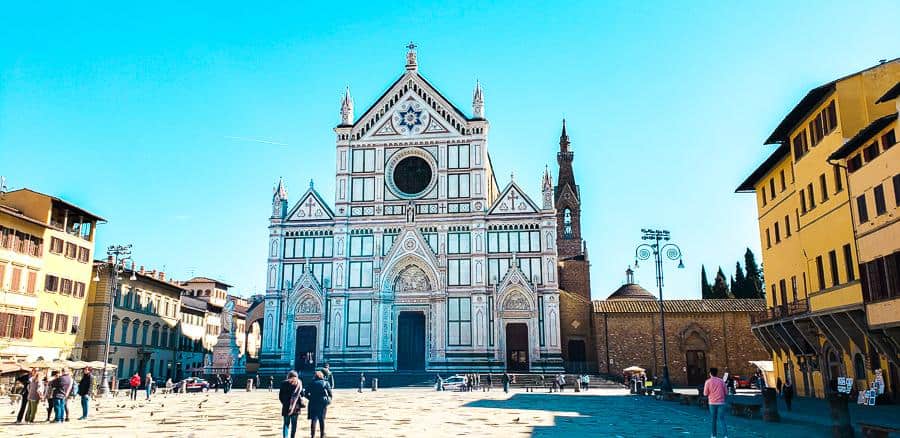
(577, 413)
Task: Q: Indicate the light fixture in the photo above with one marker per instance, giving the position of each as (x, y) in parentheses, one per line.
(680, 264)
(96, 277)
(636, 265)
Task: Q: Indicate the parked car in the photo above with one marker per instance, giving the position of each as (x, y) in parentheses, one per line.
(194, 384)
(453, 383)
(742, 382)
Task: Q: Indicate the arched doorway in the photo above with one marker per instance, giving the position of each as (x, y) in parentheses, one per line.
(517, 347)
(305, 351)
(411, 341)
(576, 360)
(695, 345)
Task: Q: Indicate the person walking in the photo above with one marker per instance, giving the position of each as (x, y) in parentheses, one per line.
(329, 376)
(586, 382)
(48, 393)
(787, 391)
(35, 395)
(362, 381)
(148, 385)
(438, 383)
(59, 392)
(714, 390)
(134, 383)
(490, 382)
(256, 381)
(70, 386)
(23, 380)
(227, 384)
(319, 396)
(271, 382)
(289, 394)
(84, 390)
(505, 380)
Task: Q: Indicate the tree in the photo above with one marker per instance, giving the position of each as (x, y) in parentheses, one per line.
(720, 286)
(754, 279)
(740, 289)
(705, 288)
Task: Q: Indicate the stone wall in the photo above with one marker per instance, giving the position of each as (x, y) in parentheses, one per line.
(626, 339)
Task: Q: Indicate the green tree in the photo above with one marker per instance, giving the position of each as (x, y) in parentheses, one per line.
(754, 278)
(720, 285)
(740, 288)
(705, 288)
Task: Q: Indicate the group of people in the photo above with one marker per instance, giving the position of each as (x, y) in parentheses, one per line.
(134, 383)
(224, 382)
(318, 395)
(56, 389)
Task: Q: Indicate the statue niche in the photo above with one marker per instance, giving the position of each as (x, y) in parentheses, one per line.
(412, 279)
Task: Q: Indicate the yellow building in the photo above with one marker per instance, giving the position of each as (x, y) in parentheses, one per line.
(815, 323)
(45, 267)
(873, 165)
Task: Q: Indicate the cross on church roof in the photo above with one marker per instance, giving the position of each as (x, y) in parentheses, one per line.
(309, 206)
(512, 198)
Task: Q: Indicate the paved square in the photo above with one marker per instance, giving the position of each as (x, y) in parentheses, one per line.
(402, 413)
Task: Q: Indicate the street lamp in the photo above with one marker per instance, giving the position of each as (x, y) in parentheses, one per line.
(656, 249)
(120, 254)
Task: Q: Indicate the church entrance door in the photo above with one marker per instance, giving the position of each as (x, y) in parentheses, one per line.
(577, 357)
(305, 352)
(411, 341)
(696, 367)
(517, 347)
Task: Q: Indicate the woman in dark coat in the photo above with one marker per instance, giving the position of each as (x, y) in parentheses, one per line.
(319, 395)
(289, 395)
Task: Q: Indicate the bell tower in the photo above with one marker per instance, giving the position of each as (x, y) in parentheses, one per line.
(567, 199)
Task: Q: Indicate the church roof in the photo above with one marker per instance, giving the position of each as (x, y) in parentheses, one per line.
(631, 291)
(680, 306)
(416, 74)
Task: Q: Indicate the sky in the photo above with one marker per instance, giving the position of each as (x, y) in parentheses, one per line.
(152, 116)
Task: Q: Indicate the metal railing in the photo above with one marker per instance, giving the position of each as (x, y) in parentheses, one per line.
(793, 308)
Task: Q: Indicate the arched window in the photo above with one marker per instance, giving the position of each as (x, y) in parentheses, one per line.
(124, 331)
(567, 224)
(112, 329)
(859, 366)
(135, 325)
(144, 333)
(154, 338)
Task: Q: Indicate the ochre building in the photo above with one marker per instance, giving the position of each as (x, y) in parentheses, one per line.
(815, 325)
(46, 248)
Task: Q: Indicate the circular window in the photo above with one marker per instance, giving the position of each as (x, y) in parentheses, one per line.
(412, 175)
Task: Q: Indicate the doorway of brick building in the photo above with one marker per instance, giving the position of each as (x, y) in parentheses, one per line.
(576, 360)
(696, 367)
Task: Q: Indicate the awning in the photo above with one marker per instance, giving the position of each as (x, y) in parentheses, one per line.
(765, 365)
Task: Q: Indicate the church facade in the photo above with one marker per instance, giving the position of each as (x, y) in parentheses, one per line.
(423, 262)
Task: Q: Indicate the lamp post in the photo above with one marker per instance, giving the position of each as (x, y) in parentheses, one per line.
(658, 247)
(119, 254)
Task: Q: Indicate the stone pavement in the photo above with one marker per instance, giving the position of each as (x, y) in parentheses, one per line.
(411, 412)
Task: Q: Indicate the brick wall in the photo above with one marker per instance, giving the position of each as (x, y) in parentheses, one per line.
(634, 339)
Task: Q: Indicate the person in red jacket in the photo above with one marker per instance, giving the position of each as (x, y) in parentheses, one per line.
(134, 383)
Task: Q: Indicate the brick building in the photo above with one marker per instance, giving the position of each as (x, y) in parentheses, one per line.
(699, 334)
(574, 271)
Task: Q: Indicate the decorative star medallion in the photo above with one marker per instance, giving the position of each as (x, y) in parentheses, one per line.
(410, 118)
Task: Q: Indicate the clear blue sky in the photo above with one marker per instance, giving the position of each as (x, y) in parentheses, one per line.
(128, 112)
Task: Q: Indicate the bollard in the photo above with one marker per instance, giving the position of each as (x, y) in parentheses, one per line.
(374, 384)
(840, 416)
(770, 405)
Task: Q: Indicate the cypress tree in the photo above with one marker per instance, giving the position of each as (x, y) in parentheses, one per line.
(754, 278)
(720, 286)
(705, 288)
(740, 289)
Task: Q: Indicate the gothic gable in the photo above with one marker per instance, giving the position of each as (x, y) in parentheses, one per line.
(514, 278)
(411, 106)
(311, 207)
(566, 197)
(410, 265)
(513, 200)
(306, 296)
(411, 116)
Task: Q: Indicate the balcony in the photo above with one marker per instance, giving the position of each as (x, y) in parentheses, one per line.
(793, 308)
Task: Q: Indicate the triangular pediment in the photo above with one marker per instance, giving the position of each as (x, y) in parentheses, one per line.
(411, 106)
(306, 296)
(513, 200)
(408, 117)
(311, 207)
(409, 247)
(566, 196)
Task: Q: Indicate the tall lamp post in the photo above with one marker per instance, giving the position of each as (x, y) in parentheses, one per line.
(120, 254)
(657, 248)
